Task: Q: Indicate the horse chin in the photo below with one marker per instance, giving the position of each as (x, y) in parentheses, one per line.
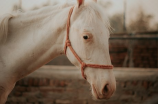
(98, 96)
(94, 93)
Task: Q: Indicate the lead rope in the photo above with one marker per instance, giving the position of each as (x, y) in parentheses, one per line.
(68, 44)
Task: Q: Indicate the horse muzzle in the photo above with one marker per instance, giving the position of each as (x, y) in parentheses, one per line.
(105, 92)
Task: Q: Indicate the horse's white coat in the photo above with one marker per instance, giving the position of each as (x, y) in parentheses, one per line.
(29, 40)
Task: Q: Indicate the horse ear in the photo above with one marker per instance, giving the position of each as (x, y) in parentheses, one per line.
(95, 1)
(80, 2)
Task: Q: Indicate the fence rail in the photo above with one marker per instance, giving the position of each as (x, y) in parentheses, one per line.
(65, 85)
(136, 35)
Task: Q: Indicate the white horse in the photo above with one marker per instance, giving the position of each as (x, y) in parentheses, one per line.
(30, 40)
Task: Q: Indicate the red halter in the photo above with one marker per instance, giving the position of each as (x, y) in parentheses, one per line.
(68, 44)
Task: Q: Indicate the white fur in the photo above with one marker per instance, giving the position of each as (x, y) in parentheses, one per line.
(34, 38)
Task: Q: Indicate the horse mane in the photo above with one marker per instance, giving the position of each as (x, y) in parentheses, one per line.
(4, 27)
(4, 19)
(94, 9)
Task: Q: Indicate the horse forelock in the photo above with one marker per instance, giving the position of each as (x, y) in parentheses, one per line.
(95, 12)
(90, 14)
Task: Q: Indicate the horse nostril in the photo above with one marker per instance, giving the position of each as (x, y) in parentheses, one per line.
(105, 89)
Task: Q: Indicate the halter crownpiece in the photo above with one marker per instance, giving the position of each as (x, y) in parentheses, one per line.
(68, 44)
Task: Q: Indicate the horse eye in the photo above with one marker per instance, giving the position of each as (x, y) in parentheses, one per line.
(86, 37)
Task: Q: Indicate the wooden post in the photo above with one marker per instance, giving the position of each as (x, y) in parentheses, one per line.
(157, 46)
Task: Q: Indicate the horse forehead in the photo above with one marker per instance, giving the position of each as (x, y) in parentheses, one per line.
(96, 25)
(91, 24)
(96, 28)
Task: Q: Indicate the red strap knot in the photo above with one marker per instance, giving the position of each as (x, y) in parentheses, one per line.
(83, 65)
(68, 43)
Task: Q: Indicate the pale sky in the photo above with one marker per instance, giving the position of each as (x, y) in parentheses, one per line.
(150, 6)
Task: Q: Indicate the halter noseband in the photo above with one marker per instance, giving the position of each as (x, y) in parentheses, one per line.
(68, 44)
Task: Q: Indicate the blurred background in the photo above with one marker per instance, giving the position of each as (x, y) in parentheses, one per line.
(133, 50)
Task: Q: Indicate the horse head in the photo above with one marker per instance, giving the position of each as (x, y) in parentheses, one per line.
(88, 32)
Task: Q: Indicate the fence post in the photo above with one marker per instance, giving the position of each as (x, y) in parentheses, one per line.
(130, 49)
(157, 46)
(128, 61)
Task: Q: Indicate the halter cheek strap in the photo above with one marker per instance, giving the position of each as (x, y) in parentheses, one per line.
(68, 44)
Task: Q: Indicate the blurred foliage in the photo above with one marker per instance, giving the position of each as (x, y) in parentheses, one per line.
(142, 22)
(116, 22)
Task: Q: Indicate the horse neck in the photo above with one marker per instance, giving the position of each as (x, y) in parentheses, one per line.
(33, 40)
